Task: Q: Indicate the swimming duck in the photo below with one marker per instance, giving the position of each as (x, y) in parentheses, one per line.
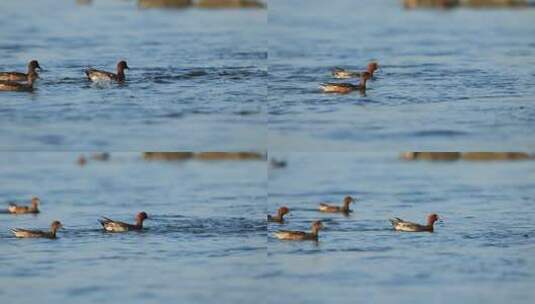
(17, 86)
(115, 226)
(300, 235)
(344, 74)
(279, 218)
(18, 76)
(344, 88)
(23, 233)
(16, 209)
(98, 75)
(337, 209)
(401, 225)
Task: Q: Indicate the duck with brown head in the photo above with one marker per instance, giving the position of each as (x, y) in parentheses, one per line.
(99, 75)
(340, 73)
(25, 233)
(18, 76)
(338, 209)
(110, 225)
(344, 88)
(401, 225)
(300, 235)
(279, 218)
(19, 209)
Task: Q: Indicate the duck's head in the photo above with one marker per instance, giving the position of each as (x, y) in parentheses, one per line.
(142, 216)
(348, 200)
(372, 66)
(32, 65)
(432, 218)
(284, 210)
(56, 225)
(317, 225)
(35, 201)
(122, 65)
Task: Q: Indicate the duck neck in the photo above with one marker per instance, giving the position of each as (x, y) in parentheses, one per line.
(139, 223)
(315, 231)
(363, 82)
(346, 206)
(430, 225)
(120, 74)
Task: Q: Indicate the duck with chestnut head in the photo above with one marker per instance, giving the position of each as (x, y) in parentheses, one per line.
(401, 225)
(300, 235)
(344, 88)
(25, 233)
(338, 209)
(279, 218)
(99, 75)
(110, 225)
(19, 209)
(340, 73)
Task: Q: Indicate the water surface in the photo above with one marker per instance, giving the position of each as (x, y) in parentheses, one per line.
(449, 79)
(197, 77)
(482, 252)
(205, 237)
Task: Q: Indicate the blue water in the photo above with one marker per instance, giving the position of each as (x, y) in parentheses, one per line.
(450, 79)
(482, 251)
(197, 77)
(205, 237)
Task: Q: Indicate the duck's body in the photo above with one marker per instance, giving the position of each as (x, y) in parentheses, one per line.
(110, 225)
(300, 235)
(345, 74)
(98, 75)
(18, 76)
(25, 233)
(405, 226)
(337, 209)
(17, 209)
(344, 88)
(279, 218)
(13, 86)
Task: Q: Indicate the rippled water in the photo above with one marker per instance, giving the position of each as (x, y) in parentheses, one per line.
(482, 252)
(197, 77)
(449, 78)
(205, 237)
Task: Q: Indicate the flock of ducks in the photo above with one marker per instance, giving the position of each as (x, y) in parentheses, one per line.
(344, 88)
(108, 224)
(24, 82)
(397, 223)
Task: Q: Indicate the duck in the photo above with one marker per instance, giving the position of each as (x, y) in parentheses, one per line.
(18, 76)
(14, 86)
(344, 74)
(98, 75)
(401, 225)
(16, 209)
(110, 225)
(337, 209)
(300, 235)
(24, 233)
(279, 218)
(344, 88)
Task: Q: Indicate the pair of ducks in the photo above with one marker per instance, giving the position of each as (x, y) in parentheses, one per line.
(397, 223)
(23, 82)
(108, 224)
(344, 88)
